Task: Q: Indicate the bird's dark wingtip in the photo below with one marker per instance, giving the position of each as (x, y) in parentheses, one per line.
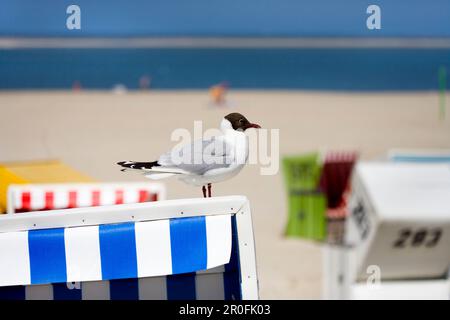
(138, 165)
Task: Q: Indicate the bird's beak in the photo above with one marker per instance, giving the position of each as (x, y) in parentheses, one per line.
(253, 125)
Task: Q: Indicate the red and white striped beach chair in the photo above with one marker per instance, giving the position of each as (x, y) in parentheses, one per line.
(37, 197)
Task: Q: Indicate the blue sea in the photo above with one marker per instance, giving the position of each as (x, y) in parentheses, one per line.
(291, 69)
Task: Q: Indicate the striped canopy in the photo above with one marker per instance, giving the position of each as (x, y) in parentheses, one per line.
(115, 251)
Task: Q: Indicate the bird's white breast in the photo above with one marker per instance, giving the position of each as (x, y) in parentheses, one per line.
(238, 142)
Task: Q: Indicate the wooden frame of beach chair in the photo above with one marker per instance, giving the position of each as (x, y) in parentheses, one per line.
(36, 197)
(179, 249)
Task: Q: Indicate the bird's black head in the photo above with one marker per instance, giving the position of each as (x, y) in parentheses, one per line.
(239, 122)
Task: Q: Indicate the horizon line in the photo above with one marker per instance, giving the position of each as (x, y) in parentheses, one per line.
(222, 42)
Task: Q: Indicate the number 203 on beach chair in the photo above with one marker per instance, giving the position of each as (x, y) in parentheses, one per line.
(176, 249)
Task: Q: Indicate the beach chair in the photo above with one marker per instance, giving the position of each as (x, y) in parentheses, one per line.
(419, 155)
(307, 203)
(335, 184)
(45, 171)
(396, 238)
(37, 197)
(175, 249)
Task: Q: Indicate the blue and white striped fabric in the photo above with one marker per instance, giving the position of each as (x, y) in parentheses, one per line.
(220, 283)
(114, 251)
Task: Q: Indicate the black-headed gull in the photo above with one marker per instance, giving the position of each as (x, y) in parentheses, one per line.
(204, 161)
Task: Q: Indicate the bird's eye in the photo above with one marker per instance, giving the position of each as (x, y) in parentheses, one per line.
(241, 120)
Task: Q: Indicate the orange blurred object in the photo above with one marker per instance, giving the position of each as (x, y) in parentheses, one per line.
(218, 92)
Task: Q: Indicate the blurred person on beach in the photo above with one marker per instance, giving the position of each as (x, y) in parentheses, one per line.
(144, 82)
(218, 94)
(76, 86)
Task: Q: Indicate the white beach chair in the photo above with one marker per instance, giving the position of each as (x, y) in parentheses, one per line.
(397, 237)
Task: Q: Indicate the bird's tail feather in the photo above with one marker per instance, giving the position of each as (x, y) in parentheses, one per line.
(151, 170)
(138, 165)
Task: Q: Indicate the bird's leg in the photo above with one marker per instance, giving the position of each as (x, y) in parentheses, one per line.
(209, 190)
(204, 191)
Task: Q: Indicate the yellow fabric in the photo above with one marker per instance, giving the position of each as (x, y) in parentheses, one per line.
(47, 171)
(6, 178)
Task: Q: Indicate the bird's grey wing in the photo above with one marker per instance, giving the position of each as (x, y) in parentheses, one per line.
(199, 156)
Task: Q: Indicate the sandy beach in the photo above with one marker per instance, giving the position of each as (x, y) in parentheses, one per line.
(93, 130)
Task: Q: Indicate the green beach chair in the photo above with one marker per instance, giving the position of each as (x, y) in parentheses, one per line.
(307, 204)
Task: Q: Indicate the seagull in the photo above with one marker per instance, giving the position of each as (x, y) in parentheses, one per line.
(204, 161)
